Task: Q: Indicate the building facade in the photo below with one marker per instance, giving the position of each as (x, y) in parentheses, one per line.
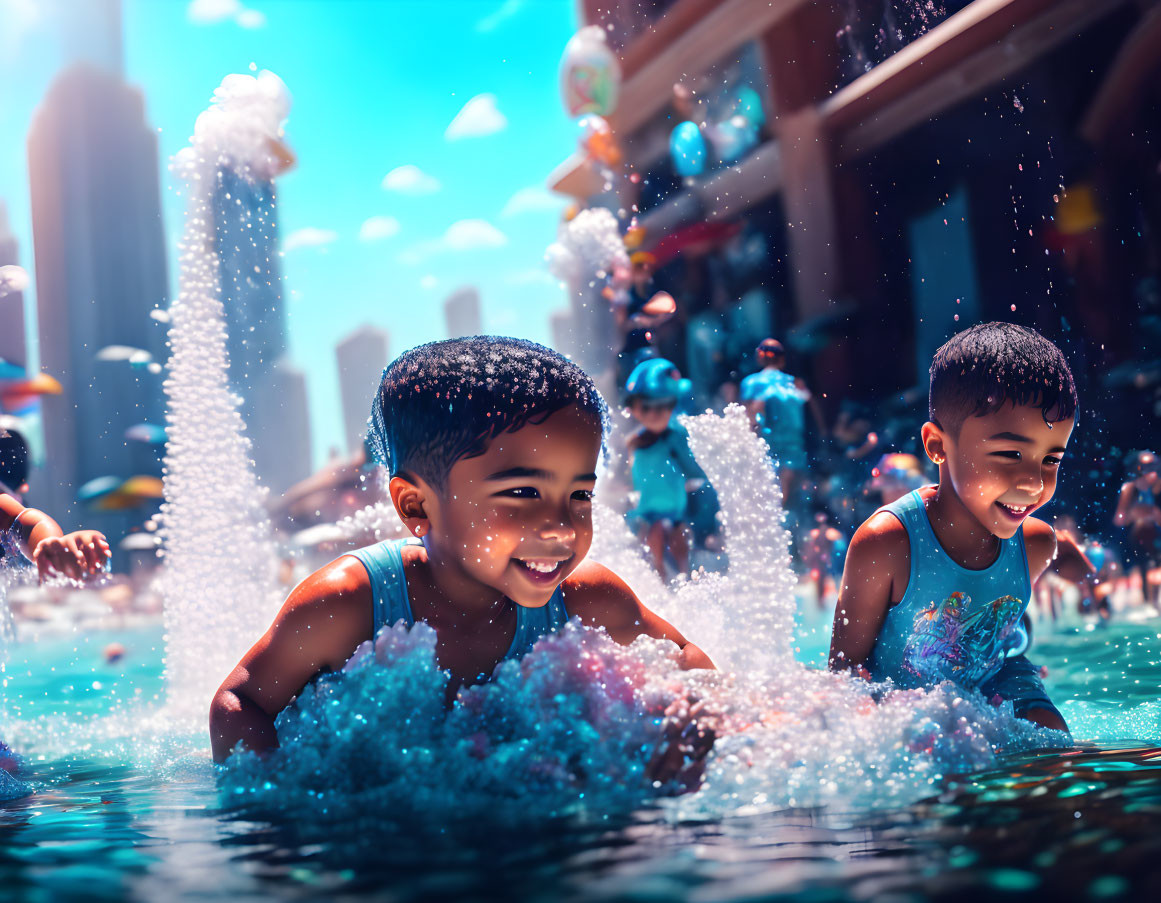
(912, 169)
(100, 270)
(361, 357)
(12, 341)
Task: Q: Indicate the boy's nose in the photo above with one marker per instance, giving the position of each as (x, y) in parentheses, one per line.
(1031, 482)
(558, 527)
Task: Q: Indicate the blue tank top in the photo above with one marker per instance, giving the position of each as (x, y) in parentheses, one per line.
(384, 564)
(952, 623)
(660, 471)
(783, 420)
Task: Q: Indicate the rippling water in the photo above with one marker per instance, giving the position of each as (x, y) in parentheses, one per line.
(114, 816)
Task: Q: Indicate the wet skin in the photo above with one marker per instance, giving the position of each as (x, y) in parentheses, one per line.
(508, 526)
(994, 472)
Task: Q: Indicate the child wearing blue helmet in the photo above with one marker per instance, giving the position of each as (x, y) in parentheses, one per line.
(662, 467)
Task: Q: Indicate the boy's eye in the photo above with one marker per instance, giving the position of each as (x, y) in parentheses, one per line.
(1053, 461)
(583, 495)
(520, 492)
(1009, 453)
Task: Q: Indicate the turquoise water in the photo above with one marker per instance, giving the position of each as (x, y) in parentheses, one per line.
(119, 813)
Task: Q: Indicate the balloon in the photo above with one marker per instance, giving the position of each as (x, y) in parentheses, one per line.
(599, 141)
(590, 76)
(732, 138)
(747, 103)
(687, 147)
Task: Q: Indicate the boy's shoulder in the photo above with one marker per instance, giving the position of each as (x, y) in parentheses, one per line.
(1039, 545)
(338, 589)
(881, 532)
(598, 596)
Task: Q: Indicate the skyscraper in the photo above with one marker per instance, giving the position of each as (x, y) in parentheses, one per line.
(462, 312)
(100, 269)
(250, 278)
(361, 358)
(280, 413)
(272, 389)
(12, 347)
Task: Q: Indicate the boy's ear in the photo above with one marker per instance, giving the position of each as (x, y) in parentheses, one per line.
(410, 500)
(934, 442)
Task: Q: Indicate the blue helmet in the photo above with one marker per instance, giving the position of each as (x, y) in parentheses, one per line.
(656, 380)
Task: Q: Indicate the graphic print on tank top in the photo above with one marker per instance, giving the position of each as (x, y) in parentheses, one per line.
(961, 642)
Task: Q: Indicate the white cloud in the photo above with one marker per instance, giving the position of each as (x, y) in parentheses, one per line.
(469, 234)
(480, 116)
(251, 18)
(530, 277)
(377, 228)
(533, 199)
(211, 12)
(428, 282)
(463, 235)
(410, 179)
(18, 17)
(503, 12)
(309, 237)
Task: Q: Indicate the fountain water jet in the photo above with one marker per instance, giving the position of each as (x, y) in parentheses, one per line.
(219, 583)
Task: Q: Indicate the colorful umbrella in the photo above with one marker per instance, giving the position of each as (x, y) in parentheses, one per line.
(146, 432)
(143, 487)
(98, 487)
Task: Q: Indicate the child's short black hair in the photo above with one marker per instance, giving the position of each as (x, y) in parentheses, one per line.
(13, 459)
(980, 369)
(448, 400)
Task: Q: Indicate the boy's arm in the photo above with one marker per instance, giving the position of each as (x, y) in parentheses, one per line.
(321, 624)
(602, 599)
(875, 575)
(1124, 503)
(42, 541)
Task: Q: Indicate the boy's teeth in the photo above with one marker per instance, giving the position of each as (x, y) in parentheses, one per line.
(1015, 509)
(541, 567)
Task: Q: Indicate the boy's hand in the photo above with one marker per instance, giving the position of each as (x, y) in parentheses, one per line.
(74, 554)
(686, 740)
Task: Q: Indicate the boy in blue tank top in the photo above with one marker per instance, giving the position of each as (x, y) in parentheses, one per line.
(935, 585)
(492, 446)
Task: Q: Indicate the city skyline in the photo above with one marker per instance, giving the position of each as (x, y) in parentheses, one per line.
(413, 177)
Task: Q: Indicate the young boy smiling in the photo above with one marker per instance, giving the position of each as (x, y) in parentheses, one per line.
(936, 584)
(492, 448)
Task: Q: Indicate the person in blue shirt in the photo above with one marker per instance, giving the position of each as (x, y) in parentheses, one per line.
(776, 402)
(662, 467)
(936, 584)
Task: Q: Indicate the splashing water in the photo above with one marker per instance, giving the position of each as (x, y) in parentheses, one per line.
(219, 581)
(570, 729)
(588, 246)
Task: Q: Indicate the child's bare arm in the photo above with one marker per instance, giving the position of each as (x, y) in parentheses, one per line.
(602, 599)
(318, 628)
(1124, 504)
(874, 576)
(1055, 549)
(42, 542)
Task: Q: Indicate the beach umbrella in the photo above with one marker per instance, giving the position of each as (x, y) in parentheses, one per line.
(9, 370)
(143, 487)
(19, 396)
(98, 487)
(146, 432)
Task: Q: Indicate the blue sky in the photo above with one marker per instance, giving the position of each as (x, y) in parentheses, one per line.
(391, 206)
